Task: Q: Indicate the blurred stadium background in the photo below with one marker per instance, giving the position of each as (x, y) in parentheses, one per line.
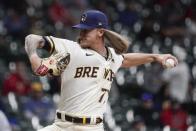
(144, 98)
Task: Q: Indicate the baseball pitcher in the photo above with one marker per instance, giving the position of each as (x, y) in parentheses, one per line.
(87, 68)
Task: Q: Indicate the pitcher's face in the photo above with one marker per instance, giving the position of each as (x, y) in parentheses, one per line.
(88, 38)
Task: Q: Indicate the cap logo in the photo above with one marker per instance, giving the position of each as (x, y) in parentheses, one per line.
(83, 18)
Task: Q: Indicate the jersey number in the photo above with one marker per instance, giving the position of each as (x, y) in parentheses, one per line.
(103, 97)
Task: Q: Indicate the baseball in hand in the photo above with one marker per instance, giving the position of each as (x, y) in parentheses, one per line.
(169, 63)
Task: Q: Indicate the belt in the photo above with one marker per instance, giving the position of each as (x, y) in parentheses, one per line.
(78, 120)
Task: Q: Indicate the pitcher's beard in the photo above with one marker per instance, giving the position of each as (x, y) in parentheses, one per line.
(81, 43)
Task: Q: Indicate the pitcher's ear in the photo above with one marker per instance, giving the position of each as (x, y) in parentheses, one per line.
(101, 32)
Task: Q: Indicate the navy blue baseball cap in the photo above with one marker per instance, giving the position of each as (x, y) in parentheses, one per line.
(92, 19)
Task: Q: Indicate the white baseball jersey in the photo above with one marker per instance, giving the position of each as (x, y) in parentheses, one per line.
(86, 81)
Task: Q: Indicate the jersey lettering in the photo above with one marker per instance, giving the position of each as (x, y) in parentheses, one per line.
(94, 72)
(78, 72)
(108, 74)
(86, 72)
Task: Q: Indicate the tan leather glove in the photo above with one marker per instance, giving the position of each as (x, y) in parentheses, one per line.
(53, 65)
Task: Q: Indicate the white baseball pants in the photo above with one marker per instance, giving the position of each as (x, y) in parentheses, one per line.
(68, 126)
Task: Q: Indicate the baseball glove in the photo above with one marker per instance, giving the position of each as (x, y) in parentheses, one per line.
(118, 42)
(53, 65)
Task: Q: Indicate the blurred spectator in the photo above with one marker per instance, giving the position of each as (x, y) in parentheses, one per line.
(2, 106)
(3, 71)
(17, 81)
(138, 125)
(5, 126)
(35, 3)
(173, 10)
(174, 116)
(146, 111)
(38, 104)
(58, 13)
(152, 78)
(81, 4)
(129, 15)
(161, 96)
(18, 5)
(191, 18)
(16, 24)
(178, 77)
